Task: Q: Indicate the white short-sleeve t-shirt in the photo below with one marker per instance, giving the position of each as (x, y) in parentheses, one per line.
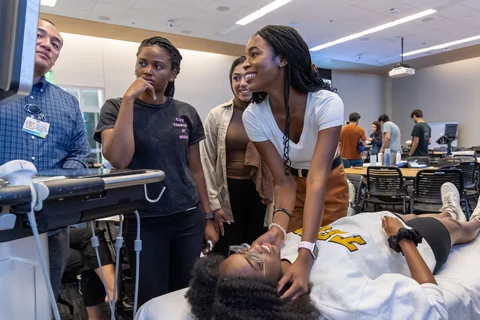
(324, 110)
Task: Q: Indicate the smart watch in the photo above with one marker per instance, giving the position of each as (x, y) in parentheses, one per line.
(209, 216)
(311, 247)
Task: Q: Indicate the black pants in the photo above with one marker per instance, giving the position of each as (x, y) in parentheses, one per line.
(83, 261)
(170, 247)
(248, 213)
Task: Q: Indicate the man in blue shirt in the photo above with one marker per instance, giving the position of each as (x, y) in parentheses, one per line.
(47, 129)
(391, 135)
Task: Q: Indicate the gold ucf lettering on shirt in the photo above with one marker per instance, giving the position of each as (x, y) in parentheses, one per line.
(328, 234)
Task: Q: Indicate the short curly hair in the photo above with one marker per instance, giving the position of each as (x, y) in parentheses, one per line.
(240, 298)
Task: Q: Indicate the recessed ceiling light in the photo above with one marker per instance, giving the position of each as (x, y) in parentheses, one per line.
(48, 3)
(427, 19)
(186, 31)
(223, 8)
(375, 29)
(104, 18)
(263, 11)
(442, 46)
(394, 11)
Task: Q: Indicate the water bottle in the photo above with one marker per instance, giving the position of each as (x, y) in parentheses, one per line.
(380, 158)
(398, 157)
(387, 157)
(373, 159)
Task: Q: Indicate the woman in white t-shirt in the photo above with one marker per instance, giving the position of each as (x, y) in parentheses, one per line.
(295, 123)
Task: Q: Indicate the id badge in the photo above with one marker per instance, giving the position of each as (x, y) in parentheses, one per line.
(36, 127)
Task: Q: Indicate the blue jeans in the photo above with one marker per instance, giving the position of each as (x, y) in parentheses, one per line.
(347, 163)
(59, 252)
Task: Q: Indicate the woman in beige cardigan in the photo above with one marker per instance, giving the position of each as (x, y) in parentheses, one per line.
(240, 188)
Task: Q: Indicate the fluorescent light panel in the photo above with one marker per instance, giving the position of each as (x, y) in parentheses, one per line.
(375, 29)
(442, 46)
(48, 3)
(263, 11)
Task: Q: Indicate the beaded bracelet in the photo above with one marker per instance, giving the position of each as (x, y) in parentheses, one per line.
(280, 228)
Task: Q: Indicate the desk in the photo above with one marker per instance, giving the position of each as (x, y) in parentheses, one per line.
(408, 173)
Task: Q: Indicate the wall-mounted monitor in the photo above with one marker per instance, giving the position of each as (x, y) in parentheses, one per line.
(18, 33)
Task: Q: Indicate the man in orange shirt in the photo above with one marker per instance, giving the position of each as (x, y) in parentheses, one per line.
(350, 142)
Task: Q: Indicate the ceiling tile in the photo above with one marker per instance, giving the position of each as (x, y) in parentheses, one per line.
(427, 4)
(474, 4)
(123, 3)
(198, 4)
(109, 9)
(151, 6)
(114, 19)
(179, 11)
(72, 13)
(75, 4)
(138, 15)
(214, 5)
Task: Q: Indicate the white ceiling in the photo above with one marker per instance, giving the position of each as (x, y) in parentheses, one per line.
(318, 21)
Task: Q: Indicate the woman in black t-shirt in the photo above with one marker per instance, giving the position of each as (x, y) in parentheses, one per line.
(148, 129)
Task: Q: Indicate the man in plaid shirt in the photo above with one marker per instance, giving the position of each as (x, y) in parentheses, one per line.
(65, 146)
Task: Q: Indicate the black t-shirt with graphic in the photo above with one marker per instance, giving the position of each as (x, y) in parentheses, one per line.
(162, 135)
(423, 131)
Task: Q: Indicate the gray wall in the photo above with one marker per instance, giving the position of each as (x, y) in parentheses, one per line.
(447, 92)
(362, 93)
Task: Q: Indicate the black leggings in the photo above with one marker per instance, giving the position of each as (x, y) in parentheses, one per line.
(248, 213)
(170, 247)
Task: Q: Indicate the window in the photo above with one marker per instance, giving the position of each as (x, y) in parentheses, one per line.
(91, 100)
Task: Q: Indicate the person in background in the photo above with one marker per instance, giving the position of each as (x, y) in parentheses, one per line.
(421, 135)
(391, 135)
(350, 142)
(295, 124)
(375, 138)
(65, 146)
(148, 129)
(239, 185)
(83, 261)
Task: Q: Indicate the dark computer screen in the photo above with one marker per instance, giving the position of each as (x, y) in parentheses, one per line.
(451, 130)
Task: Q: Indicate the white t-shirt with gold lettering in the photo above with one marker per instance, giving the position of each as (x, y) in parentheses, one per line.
(358, 276)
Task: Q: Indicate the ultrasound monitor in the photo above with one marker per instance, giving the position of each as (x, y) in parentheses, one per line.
(18, 33)
(451, 130)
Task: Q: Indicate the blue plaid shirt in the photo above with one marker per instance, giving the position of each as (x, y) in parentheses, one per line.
(66, 145)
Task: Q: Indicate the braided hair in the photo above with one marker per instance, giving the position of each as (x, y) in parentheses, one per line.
(173, 53)
(300, 74)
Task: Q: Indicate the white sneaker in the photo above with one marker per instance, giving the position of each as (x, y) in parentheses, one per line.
(451, 202)
(476, 212)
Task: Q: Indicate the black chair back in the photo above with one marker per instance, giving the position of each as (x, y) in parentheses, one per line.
(449, 162)
(429, 182)
(385, 182)
(469, 172)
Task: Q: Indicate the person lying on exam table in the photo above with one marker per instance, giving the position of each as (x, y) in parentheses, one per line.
(373, 266)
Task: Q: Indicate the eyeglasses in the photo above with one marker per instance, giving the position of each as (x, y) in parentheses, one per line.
(35, 111)
(243, 249)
